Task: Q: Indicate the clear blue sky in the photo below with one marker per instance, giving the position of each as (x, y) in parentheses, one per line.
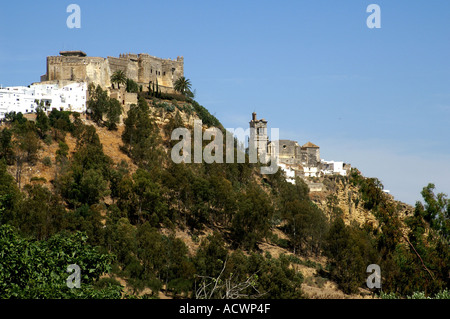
(377, 98)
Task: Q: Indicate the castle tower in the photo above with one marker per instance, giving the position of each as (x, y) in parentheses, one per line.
(310, 155)
(258, 135)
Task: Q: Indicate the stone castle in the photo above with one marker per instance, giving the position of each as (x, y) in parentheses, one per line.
(142, 68)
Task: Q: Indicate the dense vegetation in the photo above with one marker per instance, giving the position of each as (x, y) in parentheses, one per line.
(107, 219)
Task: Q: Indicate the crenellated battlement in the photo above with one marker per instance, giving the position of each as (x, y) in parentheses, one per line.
(142, 68)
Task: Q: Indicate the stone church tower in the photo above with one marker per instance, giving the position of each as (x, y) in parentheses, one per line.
(258, 135)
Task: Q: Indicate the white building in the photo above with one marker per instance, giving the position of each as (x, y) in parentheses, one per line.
(290, 173)
(332, 167)
(71, 97)
(311, 171)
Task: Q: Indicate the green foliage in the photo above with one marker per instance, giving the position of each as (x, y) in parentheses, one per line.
(113, 113)
(40, 214)
(62, 152)
(86, 179)
(183, 86)
(9, 193)
(42, 123)
(174, 122)
(100, 105)
(140, 136)
(16, 118)
(306, 225)
(132, 86)
(436, 210)
(445, 294)
(276, 279)
(234, 200)
(38, 269)
(119, 78)
(251, 222)
(6, 146)
(390, 295)
(166, 106)
(350, 250)
(47, 161)
(211, 256)
(206, 117)
(60, 120)
(143, 200)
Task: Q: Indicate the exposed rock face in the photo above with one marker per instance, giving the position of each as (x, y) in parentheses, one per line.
(342, 194)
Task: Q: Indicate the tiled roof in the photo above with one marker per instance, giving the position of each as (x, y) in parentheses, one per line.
(311, 145)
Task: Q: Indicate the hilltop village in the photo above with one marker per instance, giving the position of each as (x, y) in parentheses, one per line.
(295, 160)
(79, 179)
(64, 87)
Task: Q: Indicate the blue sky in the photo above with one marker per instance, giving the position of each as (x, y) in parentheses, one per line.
(377, 98)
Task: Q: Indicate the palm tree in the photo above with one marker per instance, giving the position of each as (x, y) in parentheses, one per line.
(119, 77)
(183, 85)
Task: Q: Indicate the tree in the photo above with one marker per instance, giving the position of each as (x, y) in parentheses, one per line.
(86, 179)
(211, 256)
(148, 202)
(62, 153)
(32, 269)
(25, 150)
(101, 105)
(306, 226)
(140, 136)
(132, 86)
(436, 210)
(349, 251)
(119, 77)
(6, 146)
(183, 86)
(10, 194)
(251, 222)
(41, 213)
(42, 123)
(277, 279)
(113, 114)
(98, 102)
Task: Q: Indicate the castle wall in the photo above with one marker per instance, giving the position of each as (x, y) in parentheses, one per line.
(65, 68)
(99, 73)
(142, 68)
(71, 68)
(129, 67)
(163, 71)
(289, 152)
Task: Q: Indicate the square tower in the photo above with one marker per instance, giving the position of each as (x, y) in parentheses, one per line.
(258, 135)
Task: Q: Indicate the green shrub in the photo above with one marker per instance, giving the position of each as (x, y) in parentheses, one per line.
(47, 161)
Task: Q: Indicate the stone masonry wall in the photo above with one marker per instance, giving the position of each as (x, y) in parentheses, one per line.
(142, 68)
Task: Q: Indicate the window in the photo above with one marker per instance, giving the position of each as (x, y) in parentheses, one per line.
(164, 73)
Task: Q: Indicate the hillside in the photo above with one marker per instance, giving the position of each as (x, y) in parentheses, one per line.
(167, 229)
